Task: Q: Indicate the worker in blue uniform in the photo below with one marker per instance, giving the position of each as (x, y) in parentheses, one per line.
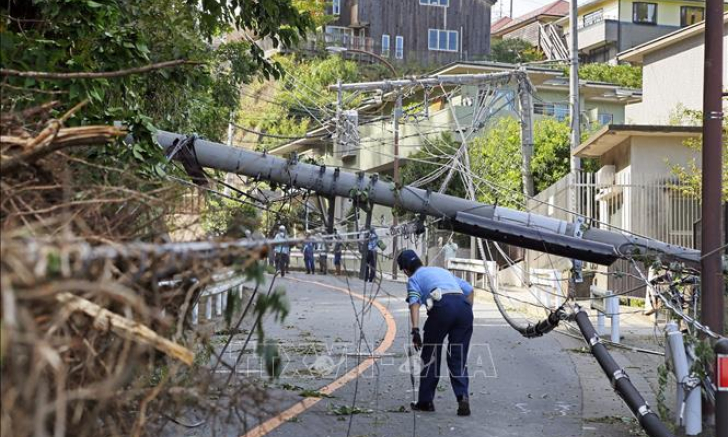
(372, 245)
(308, 251)
(449, 302)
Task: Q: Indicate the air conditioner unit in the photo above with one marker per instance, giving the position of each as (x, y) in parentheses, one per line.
(605, 176)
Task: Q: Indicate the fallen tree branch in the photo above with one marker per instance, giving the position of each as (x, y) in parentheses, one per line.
(65, 137)
(45, 75)
(104, 319)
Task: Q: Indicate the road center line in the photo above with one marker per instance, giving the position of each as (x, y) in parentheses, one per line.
(300, 407)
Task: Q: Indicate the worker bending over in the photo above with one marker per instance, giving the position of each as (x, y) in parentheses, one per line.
(449, 302)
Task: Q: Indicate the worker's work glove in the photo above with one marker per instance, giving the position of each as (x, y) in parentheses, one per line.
(416, 339)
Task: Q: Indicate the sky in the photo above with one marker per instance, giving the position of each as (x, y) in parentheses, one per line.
(520, 7)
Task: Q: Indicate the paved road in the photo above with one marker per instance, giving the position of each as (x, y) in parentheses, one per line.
(518, 387)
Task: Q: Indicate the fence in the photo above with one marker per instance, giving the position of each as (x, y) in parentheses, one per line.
(473, 271)
(654, 206)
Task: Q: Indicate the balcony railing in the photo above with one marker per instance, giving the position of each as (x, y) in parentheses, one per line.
(585, 22)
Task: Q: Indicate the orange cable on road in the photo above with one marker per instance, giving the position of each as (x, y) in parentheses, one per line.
(300, 407)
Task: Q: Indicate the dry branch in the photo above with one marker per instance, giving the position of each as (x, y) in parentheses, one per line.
(45, 75)
(65, 137)
(129, 329)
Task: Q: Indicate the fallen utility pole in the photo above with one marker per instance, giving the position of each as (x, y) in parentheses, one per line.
(647, 418)
(517, 227)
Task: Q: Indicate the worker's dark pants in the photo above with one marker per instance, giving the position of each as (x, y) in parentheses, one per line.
(371, 270)
(324, 264)
(451, 317)
(308, 261)
(282, 263)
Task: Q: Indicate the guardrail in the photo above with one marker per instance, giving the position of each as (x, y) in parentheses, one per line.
(219, 293)
(548, 287)
(607, 305)
(470, 270)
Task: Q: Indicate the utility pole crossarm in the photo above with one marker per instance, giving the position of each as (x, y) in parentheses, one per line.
(330, 181)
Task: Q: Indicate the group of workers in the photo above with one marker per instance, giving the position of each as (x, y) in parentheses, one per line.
(318, 244)
(310, 246)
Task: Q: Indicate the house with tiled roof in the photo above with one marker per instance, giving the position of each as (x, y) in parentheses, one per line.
(537, 27)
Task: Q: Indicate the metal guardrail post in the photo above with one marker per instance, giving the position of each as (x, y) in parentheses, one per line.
(613, 312)
(721, 395)
(606, 305)
(689, 411)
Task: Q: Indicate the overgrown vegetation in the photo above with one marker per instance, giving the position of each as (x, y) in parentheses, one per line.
(228, 218)
(691, 174)
(625, 75)
(286, 109)
(97, 345)
(514, 51)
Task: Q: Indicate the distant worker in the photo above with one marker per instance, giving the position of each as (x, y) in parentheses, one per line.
(450, 251)
(308, 251)
(323, 253)
(338, 250)
(282, 251)
(372, 246)
(449, 302)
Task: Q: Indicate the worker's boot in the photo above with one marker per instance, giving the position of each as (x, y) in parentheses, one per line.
(422, 406)
(463, 406)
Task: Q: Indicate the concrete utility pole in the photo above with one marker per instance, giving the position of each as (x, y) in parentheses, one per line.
(526, 103)
(712, 284)
(574, 111)
(488, 221)
(396, 86)
(395, 221)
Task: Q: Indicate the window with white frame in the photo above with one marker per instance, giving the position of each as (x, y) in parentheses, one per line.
(399, 47)
(443, 40)
(444, 3)
(336, 7)
(385, 45)
(556, 110)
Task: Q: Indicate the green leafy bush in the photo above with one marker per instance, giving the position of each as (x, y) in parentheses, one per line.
(227, 218)
(514, 51)
(625, 75)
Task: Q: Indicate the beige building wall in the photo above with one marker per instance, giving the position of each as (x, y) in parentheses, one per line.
(673, 77)
(656, 155)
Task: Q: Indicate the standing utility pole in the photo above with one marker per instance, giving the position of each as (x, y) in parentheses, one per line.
(574, 84)
(712, 284)
(526, 102)
(395, 221)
